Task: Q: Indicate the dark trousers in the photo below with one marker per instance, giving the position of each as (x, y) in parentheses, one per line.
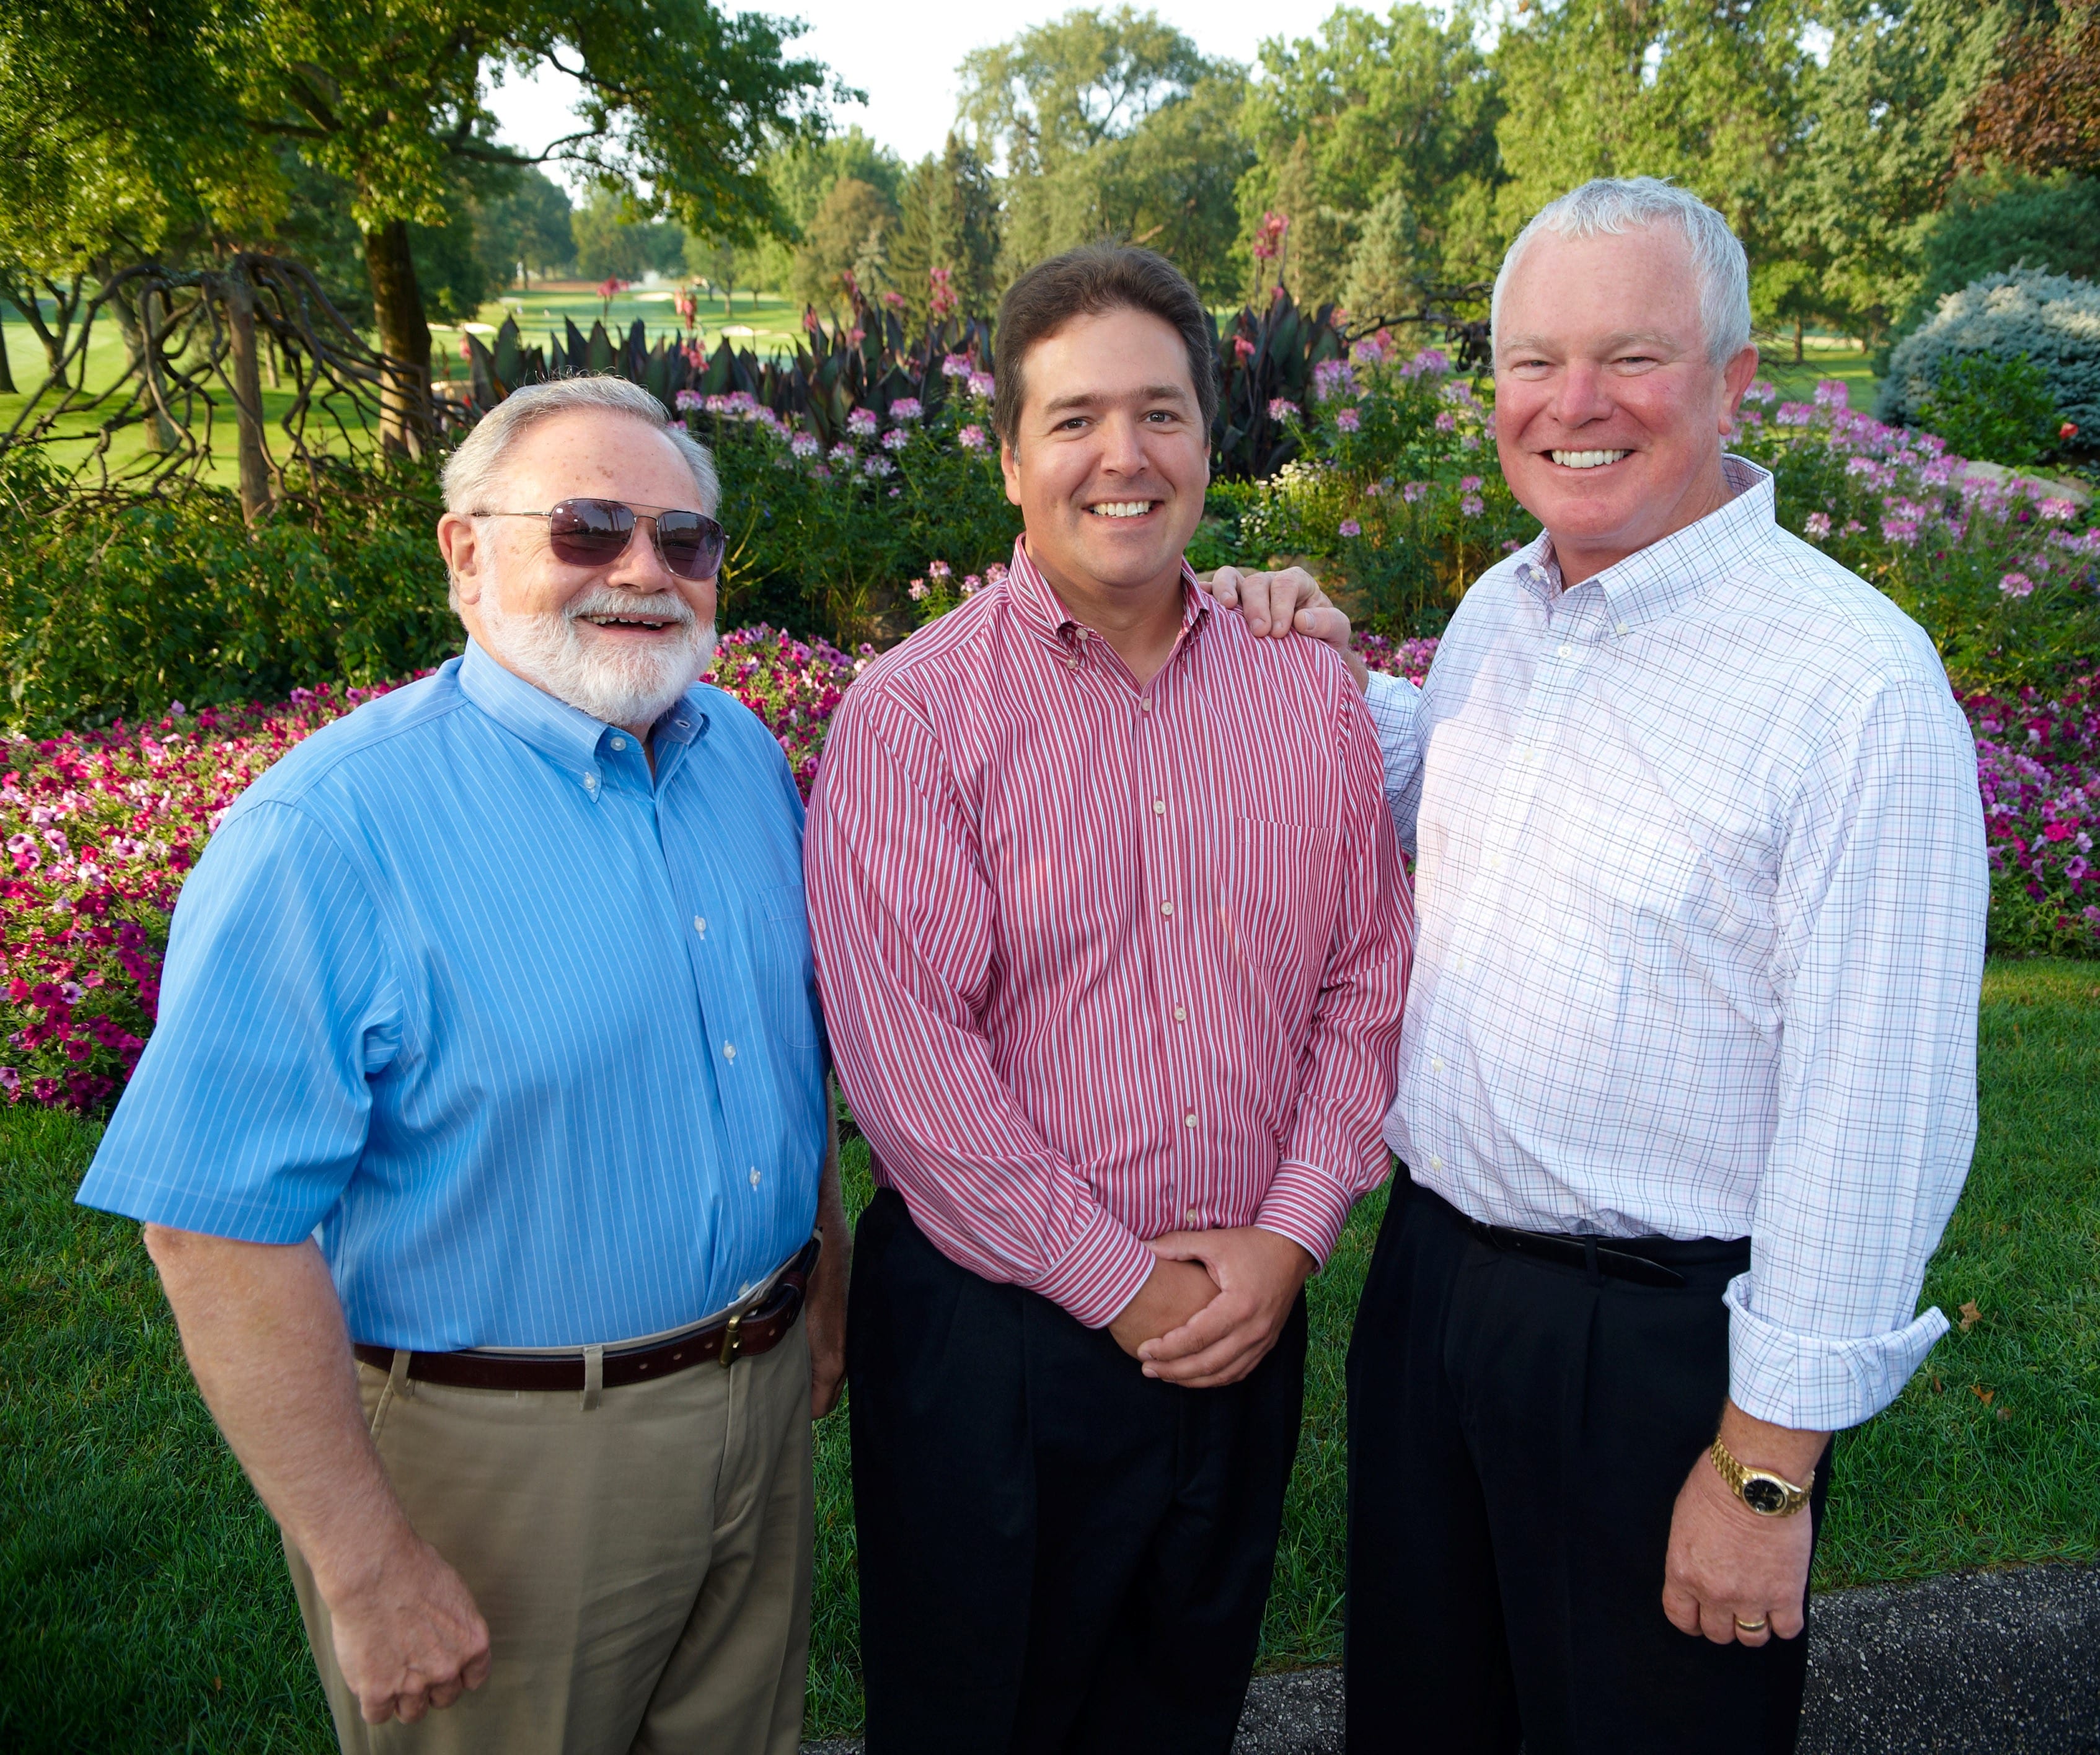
(1056, 1552)
(1519, 1431)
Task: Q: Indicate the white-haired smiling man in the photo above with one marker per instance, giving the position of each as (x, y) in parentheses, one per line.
(1687, 1076)
(479, 1144)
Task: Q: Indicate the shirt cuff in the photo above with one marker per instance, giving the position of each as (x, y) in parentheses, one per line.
(1811, 1383)
(1308, 1206)
(1103, 1270)
(1392, 702)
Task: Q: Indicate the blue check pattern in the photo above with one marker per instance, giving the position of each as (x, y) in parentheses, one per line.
(1701, 887)
(528, 1035)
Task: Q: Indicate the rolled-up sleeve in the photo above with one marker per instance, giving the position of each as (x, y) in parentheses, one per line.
(1883, 889)
(249, 1109)
(1334, 1155)
(1395, 706)
(902, 913)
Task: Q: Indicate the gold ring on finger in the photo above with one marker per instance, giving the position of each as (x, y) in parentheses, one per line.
(1758, 1625)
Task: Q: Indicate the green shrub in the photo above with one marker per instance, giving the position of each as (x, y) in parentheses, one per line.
(1985, 405)
(2052, 320)
(107, 614)
(1995, 224)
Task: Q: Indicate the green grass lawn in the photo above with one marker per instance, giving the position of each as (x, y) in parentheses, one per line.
(143, 1599)
(1824, 356)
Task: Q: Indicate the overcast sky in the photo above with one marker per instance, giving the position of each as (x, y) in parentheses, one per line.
(904, 57)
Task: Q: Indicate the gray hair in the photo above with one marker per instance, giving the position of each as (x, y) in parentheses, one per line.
(1621, 204)
(476, 465)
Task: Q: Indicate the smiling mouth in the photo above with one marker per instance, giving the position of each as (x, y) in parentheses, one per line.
(1122, 508)
(1587, 460)
(641, 623)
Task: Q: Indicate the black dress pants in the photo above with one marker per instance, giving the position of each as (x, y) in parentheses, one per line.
(1519, 1431)
(1056, 1552)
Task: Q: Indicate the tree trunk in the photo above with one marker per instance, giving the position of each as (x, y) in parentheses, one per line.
(404, 338)
(6, 374)
(247, 395)
(1797, 341)
(134, 322)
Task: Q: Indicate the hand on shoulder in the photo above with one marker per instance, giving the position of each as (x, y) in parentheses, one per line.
(1288, 601)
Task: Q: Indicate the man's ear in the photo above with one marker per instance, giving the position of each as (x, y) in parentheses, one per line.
(1736, 377)
(460, 543)
(1009, 466)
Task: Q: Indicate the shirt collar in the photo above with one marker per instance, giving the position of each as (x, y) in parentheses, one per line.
(1653, 582)
(565, 735)
(1039, 605)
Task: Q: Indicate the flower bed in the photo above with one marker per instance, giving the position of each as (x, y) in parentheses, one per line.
(100, 829)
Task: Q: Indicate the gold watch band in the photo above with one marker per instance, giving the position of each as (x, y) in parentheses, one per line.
(1768, 1494)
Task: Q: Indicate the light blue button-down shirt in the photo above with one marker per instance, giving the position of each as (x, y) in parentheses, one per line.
(529, 1035)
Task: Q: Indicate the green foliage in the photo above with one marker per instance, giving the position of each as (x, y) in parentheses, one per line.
(105, 615)
(949, 219)
(1992, 406)
(2052, 320)
(612, 240)
(1111, 124)
(848, 235)
(528, 223)
(1991, 225)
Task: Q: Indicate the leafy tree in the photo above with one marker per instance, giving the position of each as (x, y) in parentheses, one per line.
(1702, 92)
(526, 226)
(948, 218)
(801, 174)
(612, 240)
(1878, 126)
(676, 95)
(2043, 114)
(1110, 124)
(848, 235)
(2007, 220)
(1404, 106)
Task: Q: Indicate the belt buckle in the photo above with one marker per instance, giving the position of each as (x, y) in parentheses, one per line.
(732, 1342)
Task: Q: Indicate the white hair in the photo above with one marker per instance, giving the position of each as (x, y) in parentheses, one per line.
(475, 468)
(1621, 204)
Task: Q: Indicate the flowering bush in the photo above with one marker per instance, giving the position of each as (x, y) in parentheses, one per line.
(2038, 761)
(829, 536)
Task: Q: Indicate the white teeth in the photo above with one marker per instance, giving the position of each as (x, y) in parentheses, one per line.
(1587, 460)
(1123, 508)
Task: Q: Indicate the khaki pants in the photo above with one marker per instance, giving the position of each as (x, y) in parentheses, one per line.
(643, 1565)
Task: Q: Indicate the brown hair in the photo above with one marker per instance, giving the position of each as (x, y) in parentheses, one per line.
(1086, 282)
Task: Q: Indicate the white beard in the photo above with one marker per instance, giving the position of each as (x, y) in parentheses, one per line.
(616, 688)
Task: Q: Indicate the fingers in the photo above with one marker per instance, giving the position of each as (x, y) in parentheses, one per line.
(1681, 1605)
(1225, 586)
(1227, 1362)
(1211, 1324)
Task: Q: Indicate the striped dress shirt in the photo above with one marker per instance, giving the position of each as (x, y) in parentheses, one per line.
(1699, 858)
(1102, 960)
(529, 1033)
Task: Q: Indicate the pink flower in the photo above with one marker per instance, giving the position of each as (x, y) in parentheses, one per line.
(862, 423)
(2017, 585)
(1281, 408)
(982, 385)
(1471, 506)
(1447, 421)
(970, 438)
(896, 439)
(907, 408)
(938, 569)
(1350, 527)
(1348, 420)
(1469, 484)
(1817, 524)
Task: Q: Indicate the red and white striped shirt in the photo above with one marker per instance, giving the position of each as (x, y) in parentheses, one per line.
(1102, 961)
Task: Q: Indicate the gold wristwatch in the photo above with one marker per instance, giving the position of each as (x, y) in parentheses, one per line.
(1768, 1494)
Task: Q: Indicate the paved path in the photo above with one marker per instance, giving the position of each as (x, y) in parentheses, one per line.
(1979, 1663)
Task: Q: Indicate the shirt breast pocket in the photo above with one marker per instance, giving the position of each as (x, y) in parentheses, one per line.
(1273, 888)
(777, 918)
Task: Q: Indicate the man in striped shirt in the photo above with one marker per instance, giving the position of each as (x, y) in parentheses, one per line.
(1112, 940)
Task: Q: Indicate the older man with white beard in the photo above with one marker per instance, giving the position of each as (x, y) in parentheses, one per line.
(479, 1145)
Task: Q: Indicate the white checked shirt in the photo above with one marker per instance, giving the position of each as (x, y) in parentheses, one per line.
(1700, 885)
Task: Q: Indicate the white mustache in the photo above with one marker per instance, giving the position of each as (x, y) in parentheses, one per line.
(604, 600)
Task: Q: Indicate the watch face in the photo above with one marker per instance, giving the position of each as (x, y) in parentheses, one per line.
(1767, 1496)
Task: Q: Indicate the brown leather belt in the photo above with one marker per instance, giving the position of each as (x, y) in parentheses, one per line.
(742, 1336)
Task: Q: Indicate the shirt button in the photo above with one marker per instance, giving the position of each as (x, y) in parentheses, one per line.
(1188, 1120)
(1191, 1215)
(620, 743)
(1159, 807)
(590, 782)
(1619, 628)
(729, 1051)
(700, 924)
(1494, 861)
(1144, 702)
(1167, 907)
(1436, 1063)
(754, 1175)
(1435, 1161)
(1180, 1014)
(1567, 651)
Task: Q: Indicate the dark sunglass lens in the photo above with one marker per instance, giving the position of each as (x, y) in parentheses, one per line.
(692, 544)
(589, 532)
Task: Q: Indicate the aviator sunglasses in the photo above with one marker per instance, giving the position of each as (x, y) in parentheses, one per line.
(596, 533)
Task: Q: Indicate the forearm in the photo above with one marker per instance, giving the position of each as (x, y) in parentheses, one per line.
(1781, 1450)
(263, 1332)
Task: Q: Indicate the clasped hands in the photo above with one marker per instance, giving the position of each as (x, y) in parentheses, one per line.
(1215, 1304)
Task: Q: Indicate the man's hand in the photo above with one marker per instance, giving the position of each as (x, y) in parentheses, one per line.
(1289, 602)
(1173, 1294)
(1260, 1274)
(407, 1636)
(825, 1308)
(1728, 1565)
